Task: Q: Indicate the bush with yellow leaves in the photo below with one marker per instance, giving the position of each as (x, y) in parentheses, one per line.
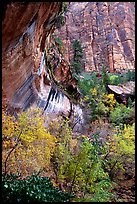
(109, 100)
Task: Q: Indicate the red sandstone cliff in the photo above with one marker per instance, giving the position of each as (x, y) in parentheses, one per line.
(27, 30)
(106, 31)
(24, 31)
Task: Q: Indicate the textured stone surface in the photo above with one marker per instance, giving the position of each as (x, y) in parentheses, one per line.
(34, 70)
(26, 34)
(106, 31)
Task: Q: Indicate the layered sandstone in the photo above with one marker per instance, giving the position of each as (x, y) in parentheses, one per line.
(33, 67)
(26, 42)
(106, 31)
(23, 34)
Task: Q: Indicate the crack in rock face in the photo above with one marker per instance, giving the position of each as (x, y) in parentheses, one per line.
(27, 81)
(33, 69)
(106, 31)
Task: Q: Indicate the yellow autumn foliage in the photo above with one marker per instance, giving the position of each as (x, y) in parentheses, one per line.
(109, 100)
(35, 145)
(9, 125)
(93, 91)
(122, 148)
(125, 141)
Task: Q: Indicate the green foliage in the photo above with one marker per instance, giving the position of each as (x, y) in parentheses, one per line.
(60, 21)
(62, 152)
(130, 104)
(58, 40)
(102, 194)
(60, 44)
(31, 189)
(65, 6)
(90, 81)
(76, 68)
(76, 65)
(121, 114)
(78, 163)
(101, 103)
(114, 79)
(77, 48)
(85, 172)
(131, 75)
(121, 150)
(94, 93)
(117, 79)
(105, 76)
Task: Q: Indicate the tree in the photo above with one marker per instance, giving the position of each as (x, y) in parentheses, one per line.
(27, 145)
(121, 152)
(77, 163)
(76, 65)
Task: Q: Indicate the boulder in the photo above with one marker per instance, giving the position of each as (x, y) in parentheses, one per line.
(123, 92)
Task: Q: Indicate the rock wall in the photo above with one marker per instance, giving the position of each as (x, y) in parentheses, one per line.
(106, 31)
(24, 31)
(34, 72)
(26, 35)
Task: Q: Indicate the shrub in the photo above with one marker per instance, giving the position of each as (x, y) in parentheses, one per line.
(31, 189)
(101, 103)
(65, 6)
(76, 68)
(121, 150)
(78, 164)
(117, 79)
(60, 44)
(109, 101)
(62, 151)
(121, 114)
(95, 95)
(60, 21)
(130, 76)
(85, 172)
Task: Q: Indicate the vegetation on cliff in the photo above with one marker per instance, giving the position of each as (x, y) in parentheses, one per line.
(76, 65)
(82, 168)
(52, 163)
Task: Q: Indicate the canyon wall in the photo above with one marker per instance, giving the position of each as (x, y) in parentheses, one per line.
(106, 31)
(34, 69)
(23, 38)
(34, 72)
(26, 53)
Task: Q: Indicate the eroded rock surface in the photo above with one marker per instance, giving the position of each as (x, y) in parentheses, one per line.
(26, 26)
(34, 71)
(106, 31)
(33, 68)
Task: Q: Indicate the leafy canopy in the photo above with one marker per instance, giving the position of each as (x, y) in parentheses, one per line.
(27, 145)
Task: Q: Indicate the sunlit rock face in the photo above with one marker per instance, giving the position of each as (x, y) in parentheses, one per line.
(106, 31)
(33, 70)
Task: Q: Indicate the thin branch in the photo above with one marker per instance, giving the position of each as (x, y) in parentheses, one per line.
(5, 163)
(74, 177)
